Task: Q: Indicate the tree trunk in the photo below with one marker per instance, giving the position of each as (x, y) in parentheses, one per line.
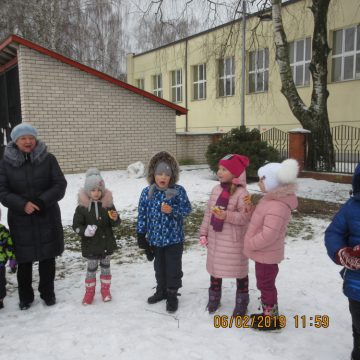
(315, 118)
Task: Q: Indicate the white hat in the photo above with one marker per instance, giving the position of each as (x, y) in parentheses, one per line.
(93, 181)
(277, 174)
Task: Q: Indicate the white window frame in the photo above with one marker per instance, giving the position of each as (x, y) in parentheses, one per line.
(259, 86)
(199, 81)
(176, 86)
(355, 53)
(224, 77)
(157, 85)
(304, 63)
(140, 83)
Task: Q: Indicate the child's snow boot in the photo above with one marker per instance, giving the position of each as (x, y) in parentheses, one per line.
(89, 291)
(214, 300)
(1, 303)
(105, 287)
(241, 303)
(159, 295)
(172, 302)
(268, 319)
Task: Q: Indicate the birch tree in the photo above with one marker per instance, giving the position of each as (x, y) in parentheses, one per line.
(313, 117)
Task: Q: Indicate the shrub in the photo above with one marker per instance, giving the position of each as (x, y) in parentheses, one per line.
(245, 142)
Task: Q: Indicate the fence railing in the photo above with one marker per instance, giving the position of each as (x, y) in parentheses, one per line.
(346, 142)
(278, 139)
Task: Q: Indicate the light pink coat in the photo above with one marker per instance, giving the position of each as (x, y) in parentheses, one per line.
(265, 236)
(225, 258)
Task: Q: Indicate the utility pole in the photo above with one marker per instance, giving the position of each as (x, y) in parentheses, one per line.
(243, 58)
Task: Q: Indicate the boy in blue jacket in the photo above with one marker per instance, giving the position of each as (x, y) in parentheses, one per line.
(342, 241)
(162, 207)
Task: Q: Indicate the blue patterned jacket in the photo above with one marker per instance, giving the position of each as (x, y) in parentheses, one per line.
(163, 229)
(344, 231)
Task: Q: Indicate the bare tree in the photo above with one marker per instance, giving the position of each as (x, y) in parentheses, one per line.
(89, 31)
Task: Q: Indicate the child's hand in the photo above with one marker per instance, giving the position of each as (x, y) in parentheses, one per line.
(219, 212)
(203, 240)
(249, 206)
(166, 208)
(113, 215)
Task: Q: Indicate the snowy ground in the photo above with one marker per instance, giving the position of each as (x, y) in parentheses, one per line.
(129, 328)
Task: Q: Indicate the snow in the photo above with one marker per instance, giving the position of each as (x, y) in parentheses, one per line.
(128, 328)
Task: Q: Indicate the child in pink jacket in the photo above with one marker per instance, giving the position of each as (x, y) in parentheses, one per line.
(264, 239)
(223, 228)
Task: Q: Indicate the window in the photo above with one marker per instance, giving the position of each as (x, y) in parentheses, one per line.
(259, 71)
(157, 85)
(300, 55)
(227, 77)
(346, 54)
(176, 85)
(140, 83)
(199, 82)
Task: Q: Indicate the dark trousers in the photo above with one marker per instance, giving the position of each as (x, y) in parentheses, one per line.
(168, 266)
(265, 282)
(46, 282)
(2, 282)
(354, 307)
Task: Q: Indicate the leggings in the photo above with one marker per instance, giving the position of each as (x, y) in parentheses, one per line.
(92, 266)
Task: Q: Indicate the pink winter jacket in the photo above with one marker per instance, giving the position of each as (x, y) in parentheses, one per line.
(225, 258)
(265, 236)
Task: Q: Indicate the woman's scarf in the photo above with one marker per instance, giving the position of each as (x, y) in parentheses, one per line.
(222, 202)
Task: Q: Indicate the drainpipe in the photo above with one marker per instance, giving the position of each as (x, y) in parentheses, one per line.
(186, 85)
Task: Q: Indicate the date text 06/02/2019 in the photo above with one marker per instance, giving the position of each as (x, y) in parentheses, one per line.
(281, 321)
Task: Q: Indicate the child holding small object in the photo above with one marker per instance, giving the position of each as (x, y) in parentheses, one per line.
(93, 220)
(223, 229)
(162, 208)
(265, 237)
(342, 241)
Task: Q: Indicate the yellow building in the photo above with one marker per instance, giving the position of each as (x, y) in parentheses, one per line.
(199, 73)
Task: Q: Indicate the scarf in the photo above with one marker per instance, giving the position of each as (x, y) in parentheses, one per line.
(222, 201)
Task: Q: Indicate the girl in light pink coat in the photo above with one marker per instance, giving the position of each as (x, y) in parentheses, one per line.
(264, 239)
(223, 228)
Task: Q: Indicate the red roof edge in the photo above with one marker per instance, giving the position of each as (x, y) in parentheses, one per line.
(15, 38)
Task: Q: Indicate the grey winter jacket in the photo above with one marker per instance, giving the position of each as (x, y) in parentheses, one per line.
(35, 177)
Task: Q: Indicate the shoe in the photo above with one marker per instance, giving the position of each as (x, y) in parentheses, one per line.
(105, 287)
(268, 319)
(159, 295)
(1, 303)
(241, 304)
(172, 302)
(23, 305)
(89, 291)
(50, 301)
(214, 300)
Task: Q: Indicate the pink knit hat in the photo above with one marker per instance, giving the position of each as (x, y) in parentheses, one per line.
(235, 163)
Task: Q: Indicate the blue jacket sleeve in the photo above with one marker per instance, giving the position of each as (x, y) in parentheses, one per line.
(141, 227)
(336, 235)
(184, 206)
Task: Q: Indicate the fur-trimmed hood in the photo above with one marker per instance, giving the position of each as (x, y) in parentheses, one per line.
(163, 156)
(285, 194)
(16, 158)
(106, 200)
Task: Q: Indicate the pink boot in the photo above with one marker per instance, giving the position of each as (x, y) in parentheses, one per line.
(89, 291)
(105, 287)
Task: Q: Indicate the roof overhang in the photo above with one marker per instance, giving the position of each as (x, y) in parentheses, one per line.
(8, 58)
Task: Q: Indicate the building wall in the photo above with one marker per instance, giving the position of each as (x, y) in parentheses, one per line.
(193, 147)
(262, 110)
(87, 121)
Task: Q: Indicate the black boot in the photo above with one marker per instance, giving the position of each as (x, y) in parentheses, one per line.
(172, 301)
(1, 303)
(159, 295)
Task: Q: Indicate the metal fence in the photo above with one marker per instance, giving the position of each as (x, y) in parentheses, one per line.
(346, 141)
(278, 139)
